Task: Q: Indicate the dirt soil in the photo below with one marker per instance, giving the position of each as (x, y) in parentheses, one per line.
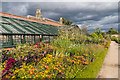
(110, 65)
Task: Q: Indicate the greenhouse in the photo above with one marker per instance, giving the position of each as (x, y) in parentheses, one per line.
(14, 31)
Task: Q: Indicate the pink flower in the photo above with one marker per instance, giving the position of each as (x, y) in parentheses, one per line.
(25, 59)
(21, 66)
(6, 53)
(19, 58)
(44, 52)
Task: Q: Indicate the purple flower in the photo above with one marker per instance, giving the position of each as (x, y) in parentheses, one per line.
(6, 53)
(20, 65)
(25, 59)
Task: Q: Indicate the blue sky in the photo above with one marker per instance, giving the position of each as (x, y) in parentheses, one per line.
(94, 15)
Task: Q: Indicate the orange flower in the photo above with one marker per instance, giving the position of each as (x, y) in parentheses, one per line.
(63, 68)
(49, 76)
(37, 59)
(46, 67)
(60, 70)
(86, 63)
(81, 61)
(28, 71)
(32, 69)
(72, 70)
(55, 68)
(33, 72)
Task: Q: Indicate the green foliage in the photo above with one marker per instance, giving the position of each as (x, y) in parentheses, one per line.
(116, 39)
(97, 31)
(69, 51)
(100, 36)
(63, 20)
(112, 31)
(69, 22)
(94, 35)
(93, 69)
(66, 22)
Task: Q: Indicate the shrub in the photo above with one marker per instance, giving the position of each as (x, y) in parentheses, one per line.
(100, 36)
(94, 35)
(116, 39)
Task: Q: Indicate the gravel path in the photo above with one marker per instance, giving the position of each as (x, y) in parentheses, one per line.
(110, 65)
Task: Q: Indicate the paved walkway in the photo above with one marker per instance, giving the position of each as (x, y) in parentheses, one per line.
(110, 64)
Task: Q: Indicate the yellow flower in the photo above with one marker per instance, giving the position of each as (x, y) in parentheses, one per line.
(22, 77)
(13, 77)
(36, 75)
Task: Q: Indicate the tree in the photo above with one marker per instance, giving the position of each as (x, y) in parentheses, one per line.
(98, 32)
(84, 29)
(66, 22)
(112, 31)
(69, 22)
(63, 20)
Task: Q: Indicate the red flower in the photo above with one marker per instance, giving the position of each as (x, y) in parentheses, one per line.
(35, 47)
(7, 68)
(33, 43)
(43, 44)
(43, 65)
(30, 44)
(82, 58)
(39, 46)
(72, 61)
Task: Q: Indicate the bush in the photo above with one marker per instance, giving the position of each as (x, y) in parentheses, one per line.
(100, 36)
(112, 31)
(94, 35)
(116, 39)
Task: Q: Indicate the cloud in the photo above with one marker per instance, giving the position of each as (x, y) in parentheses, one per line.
(15, 8)
(109, 19)
(94, 14)
(61, 1)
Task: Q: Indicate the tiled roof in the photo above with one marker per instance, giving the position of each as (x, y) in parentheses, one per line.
(24, 18)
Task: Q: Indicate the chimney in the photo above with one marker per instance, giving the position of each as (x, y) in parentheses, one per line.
(38, 14)
(61, 22)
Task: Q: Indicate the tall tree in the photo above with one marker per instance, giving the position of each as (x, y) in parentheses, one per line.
(69, 22)
(66, 22)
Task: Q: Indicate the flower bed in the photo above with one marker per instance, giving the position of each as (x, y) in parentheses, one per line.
(63, 58)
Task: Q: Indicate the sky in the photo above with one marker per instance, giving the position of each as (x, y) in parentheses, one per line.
(94, 15)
